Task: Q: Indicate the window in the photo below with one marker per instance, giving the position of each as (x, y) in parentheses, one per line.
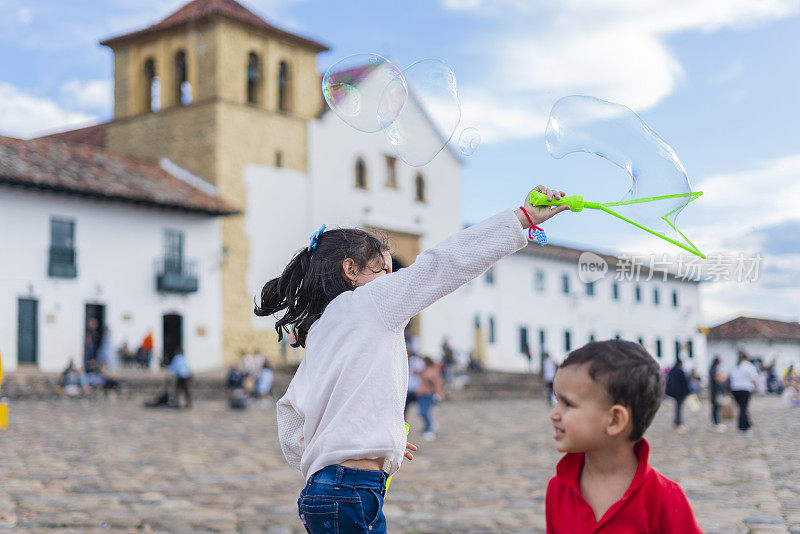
(523, 340)
(565, 284)
(567, 341)
(617, 336)
(391, 171)
(589, 289)
(491, 330)
(658, 348)
(183, 89)
(253, 78)
(62, 249)
(674, 299)
(677, 349)
(615, 291)
(284, 82)
(477, 321)
(591, 338)
(419, 183)
(173, 251)
(538, 280)
(690, 348)
(361, 174)
(542, 339)
(152, 87)
(655, 296)
(489, 276)
(278, 159)
(641, 341)
(638, 293)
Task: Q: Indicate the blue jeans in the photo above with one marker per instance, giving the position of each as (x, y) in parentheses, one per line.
(343, 500)
(425, 403)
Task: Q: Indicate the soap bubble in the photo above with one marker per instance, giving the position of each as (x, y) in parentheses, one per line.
(421, 127)
(354, 86)
(469, 140)
(614, 132)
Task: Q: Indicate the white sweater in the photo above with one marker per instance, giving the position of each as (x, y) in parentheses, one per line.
(346, 400)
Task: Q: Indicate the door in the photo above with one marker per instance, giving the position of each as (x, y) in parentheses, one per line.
(94, 325)
(173, 335)
(27, 331)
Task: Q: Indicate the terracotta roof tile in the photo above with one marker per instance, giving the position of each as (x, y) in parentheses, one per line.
(90, 135)
(201, 9)
(755, 328)
(86, 170)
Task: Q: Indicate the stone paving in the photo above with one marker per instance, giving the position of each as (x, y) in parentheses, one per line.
(110, 465)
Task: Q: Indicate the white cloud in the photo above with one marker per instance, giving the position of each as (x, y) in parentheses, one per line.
(612, 49)
(90, 96)
(23, 115)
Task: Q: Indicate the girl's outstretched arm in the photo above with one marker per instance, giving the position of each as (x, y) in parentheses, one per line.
(440, 270)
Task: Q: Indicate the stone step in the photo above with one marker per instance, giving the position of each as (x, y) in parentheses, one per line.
(34, 384)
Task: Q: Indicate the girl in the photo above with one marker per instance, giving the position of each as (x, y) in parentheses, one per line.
(341, 420)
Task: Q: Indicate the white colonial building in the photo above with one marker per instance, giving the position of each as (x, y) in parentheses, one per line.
(765, 339)
(535, 299)
(89, 235)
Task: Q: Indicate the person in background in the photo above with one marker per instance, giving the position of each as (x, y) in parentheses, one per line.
(430, 391)
(264, 382)
(179, 367)
(146, 350)
(716, 392)
(415, 368)
(549, 369)
(743, 379)
(678, 389)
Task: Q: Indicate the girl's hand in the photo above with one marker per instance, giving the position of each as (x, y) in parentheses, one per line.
(539, 214)
(410, 447)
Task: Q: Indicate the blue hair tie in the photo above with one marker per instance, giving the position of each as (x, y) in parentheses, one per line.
(315, 238)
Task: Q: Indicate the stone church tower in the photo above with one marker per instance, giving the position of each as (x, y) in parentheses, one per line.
(213, 87)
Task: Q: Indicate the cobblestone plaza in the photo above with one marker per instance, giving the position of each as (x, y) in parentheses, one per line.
(111, 465)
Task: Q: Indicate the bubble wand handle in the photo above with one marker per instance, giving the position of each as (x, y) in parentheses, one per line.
(577, 203)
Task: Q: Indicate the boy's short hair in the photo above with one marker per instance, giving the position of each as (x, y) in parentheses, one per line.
(631, 376)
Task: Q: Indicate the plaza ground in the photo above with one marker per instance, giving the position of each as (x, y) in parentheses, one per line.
(110, 465)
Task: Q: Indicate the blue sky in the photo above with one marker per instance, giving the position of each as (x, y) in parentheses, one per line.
(719, 80)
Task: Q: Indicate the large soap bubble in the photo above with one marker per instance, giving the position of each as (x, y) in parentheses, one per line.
(468, 141)
(420, 128)
(614, 132)
(354, 86)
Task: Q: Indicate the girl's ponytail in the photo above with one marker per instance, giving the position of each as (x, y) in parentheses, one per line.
(313, 278)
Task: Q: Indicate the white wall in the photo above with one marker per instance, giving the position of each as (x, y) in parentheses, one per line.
(783, 353)
(117, 247)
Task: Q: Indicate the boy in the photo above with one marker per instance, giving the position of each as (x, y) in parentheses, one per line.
(608, 393)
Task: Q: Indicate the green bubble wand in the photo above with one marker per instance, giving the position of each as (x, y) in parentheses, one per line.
(577, 203)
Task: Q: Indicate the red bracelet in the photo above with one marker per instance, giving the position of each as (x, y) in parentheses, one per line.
(533, 226)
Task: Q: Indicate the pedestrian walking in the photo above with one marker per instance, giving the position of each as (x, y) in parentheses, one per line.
(716, 392)
(678, 388)
(429, 392)
(179, 367)
(743, 379)
(549, 369)
(415, 368)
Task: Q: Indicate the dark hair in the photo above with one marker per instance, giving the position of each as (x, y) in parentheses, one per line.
(313, 278)
(630, 375)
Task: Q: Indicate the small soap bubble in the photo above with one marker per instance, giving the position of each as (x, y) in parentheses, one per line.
(354, 88)
(469, 140)
(420, 128)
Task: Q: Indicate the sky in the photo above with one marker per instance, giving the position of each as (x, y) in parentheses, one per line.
(717, 79)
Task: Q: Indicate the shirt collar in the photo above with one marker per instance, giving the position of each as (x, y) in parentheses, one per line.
(570, 466)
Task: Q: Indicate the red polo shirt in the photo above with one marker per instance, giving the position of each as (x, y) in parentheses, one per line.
(653, 503)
